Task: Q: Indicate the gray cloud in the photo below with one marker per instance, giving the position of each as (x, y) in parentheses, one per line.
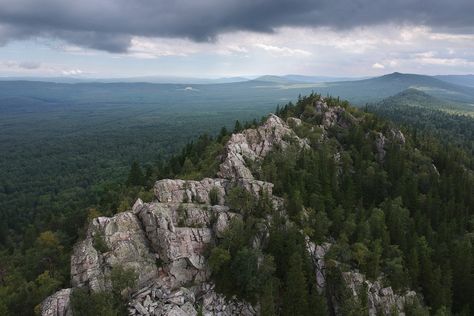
(109, 24)
(29, 65)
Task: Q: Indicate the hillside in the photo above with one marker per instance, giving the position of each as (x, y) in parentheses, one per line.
(450, 122)
(323, 209)
(362, 91)
(418, 98)
(375, 89)
(464, 80)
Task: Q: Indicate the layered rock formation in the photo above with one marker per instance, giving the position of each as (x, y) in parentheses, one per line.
(165, 241)
(255, 144)
(119, 240)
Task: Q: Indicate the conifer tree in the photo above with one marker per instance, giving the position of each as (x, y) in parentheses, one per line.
(237, 126)
(296, 296)
(267, 300)
(135, 176)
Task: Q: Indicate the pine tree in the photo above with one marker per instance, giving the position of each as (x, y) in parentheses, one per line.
(237, 127)
(296, 296)
(267, 300)
(135, 176)
(317, 303)
(223, 133)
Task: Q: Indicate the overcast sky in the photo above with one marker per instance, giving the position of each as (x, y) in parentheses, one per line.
(215, 38)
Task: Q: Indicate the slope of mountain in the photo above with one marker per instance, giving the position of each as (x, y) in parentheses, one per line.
(418, 98)
(362, 91)
(322, 210)
(375, 89)
(171, 233)
(276, 79)
(463, 80)
(450, 122)
(315, 79)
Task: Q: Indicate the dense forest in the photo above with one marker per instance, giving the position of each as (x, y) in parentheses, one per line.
(420, 112)
(407, 218)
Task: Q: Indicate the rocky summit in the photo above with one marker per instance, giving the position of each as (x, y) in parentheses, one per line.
(166, 241)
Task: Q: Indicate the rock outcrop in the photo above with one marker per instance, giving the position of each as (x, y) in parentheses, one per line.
(156, 300)
(333, 115)
(57, 304)
(190, 191)
(381, 300)
(165, 241)
(382, 141)
(316, 254)
(118, 240)
(255, 144)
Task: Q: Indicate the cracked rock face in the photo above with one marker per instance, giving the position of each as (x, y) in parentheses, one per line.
(173, 234)
(164, 244)
(255, 144)
(180, 248)
(112, 241)
(57, 304)
(190, 191)
(181, 191)
(317, 253)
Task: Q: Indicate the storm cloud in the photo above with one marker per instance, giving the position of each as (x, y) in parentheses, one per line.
(110, 25)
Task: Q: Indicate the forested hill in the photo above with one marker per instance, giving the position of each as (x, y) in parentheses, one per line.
(450, 122)
(395, 206)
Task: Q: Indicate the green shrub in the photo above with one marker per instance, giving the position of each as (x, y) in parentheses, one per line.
(214, 196)
(99, 242)
(241, 200)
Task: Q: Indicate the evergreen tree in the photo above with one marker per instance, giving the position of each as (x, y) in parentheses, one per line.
(267, 300)
(237, 127)
(135, 176)
(296, 295)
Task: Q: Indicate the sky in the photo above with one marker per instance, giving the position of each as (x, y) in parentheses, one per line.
(226, 38)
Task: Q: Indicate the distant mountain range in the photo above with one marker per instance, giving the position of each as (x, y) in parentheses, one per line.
(374, 89)
(450, 90)
(186, 80)
(303, 79)
(466, 80)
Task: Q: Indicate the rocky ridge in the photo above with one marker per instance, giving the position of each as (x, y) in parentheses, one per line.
(164, 241)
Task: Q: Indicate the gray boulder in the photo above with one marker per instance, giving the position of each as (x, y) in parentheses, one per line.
(57, 304)
(121, 241)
